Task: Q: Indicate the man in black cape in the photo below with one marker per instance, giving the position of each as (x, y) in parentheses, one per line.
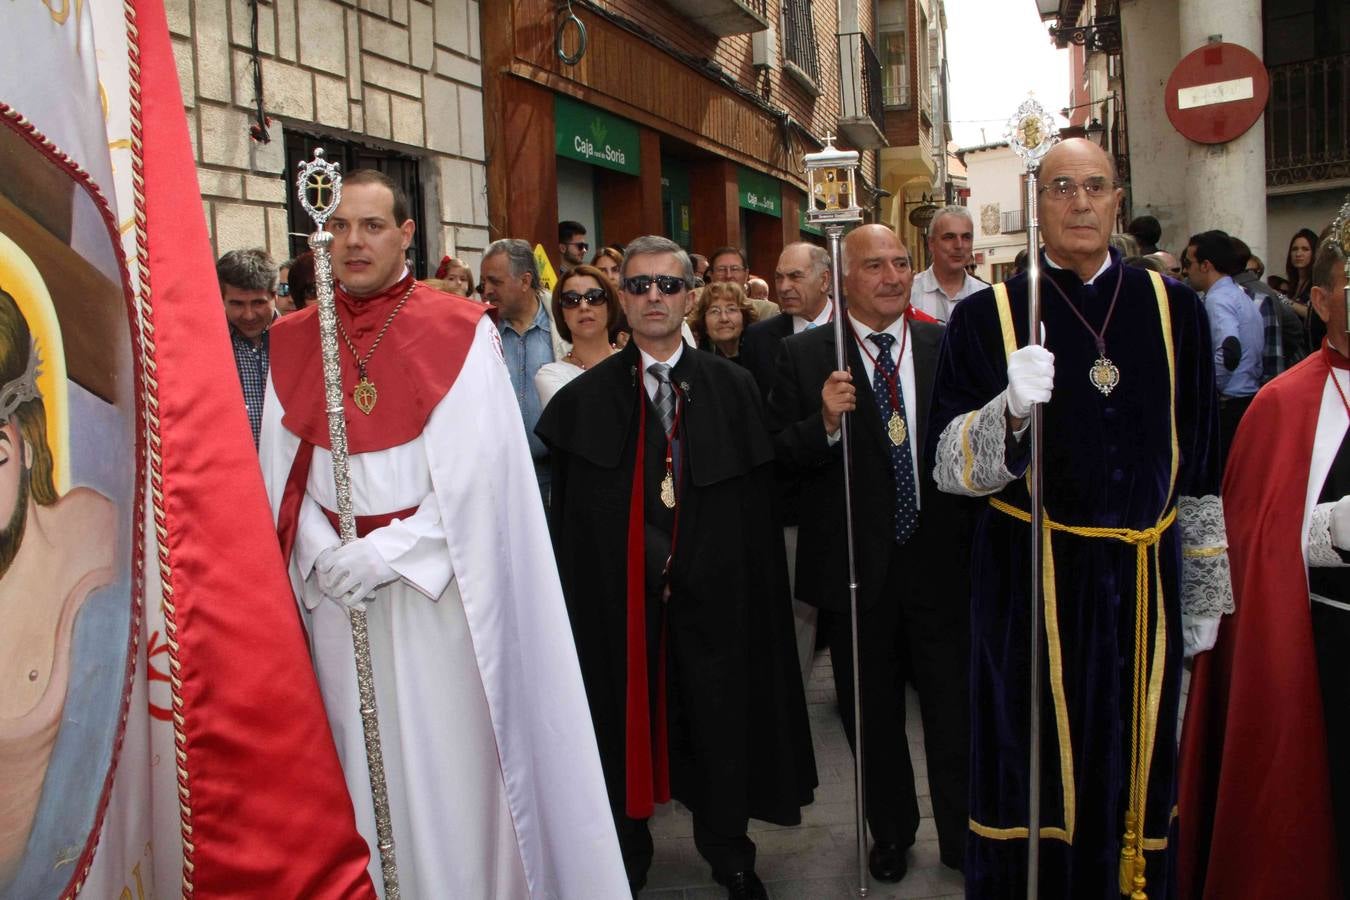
(676, 582)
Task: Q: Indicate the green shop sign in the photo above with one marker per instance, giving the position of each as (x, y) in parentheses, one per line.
(759, 193)
(589, 135)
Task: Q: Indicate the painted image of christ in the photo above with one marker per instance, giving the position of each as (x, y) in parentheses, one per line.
(55, 550)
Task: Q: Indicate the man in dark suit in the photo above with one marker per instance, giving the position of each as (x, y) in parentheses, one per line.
(803, 282)
(912, 542)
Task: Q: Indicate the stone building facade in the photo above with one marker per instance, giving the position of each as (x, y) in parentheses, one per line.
(393, 84)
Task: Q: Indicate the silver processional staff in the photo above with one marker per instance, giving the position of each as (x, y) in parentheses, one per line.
(1031, 134)
(319, 185)
(832, 203)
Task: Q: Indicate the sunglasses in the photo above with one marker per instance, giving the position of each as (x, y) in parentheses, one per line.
(593, 297)
(580, 245)
(283, 289)
(666, 284)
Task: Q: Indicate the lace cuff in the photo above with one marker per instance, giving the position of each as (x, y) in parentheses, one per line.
(1321, 551)
(972, 452)
(1206, 583)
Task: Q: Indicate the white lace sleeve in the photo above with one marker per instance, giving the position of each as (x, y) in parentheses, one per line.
(971, 452)
(1321, 551)
(1206, 583)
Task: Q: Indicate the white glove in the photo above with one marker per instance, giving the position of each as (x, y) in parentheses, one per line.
(1199, 633)
(348, 574)
(1031, 375)
(1340, 524)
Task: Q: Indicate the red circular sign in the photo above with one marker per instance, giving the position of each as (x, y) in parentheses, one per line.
(1216, 93)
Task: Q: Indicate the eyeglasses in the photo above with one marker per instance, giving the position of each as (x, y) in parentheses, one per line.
(724, 311)
(593, 297)
(283, 289)
(728, 270)
(1066, 188)
(666, 284)
(580, 245)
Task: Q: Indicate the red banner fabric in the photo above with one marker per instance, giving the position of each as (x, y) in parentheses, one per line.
(265, 806)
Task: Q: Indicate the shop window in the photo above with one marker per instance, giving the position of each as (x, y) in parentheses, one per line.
(403, 169)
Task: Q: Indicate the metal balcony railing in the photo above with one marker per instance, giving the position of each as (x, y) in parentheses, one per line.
(1012, 220)
(799, 44)
(1308, 121)
(860, 91)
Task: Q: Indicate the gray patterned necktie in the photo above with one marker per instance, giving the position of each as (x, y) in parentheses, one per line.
(665, 394)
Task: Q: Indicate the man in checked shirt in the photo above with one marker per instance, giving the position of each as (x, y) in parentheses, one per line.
(248, 286)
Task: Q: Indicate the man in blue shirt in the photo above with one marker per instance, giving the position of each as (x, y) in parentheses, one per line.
(511, 283)
(248, 288)
(1237, 332)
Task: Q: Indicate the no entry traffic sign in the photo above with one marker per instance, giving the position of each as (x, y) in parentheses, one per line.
(1216, 93)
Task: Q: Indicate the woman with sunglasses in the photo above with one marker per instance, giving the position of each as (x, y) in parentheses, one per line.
(721, 315)
(586, 313)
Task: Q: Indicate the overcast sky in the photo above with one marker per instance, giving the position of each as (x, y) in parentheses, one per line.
(997, 50)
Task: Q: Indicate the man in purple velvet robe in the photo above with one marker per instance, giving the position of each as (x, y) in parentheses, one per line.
(1134, 565)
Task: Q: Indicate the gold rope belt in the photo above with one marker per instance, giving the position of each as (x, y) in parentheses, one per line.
(1132, 863)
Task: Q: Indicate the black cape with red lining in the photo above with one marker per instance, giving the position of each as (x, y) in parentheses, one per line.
(732, 651)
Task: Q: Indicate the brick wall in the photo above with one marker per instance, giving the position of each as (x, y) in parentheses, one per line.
(397, 74)
(733, 54)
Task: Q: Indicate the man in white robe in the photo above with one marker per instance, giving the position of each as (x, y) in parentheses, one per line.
(494, 782)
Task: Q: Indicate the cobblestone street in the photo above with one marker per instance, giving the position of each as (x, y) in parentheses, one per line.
(817, 859)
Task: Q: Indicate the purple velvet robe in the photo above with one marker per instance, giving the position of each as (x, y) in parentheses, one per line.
(1109, 462)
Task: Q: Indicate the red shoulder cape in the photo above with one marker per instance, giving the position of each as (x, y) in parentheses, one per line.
(1254, 799)
(413, 367)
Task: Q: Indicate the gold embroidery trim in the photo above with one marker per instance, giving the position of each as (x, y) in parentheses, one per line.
(1012, 834)
(1165, 322)
(1005, 320)
(968, 468)
(1201, 552)
(1056, 660)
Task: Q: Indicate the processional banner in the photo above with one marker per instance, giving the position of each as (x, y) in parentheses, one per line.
(161, 731)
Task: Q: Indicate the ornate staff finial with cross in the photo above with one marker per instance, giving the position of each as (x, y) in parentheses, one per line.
(319, 186)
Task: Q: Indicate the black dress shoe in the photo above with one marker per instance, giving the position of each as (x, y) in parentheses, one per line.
(887, 862)
(745, 886)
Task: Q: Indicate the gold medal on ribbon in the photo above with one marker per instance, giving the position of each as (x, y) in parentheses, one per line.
(668, 490)
(896, 430)
(364, 395)
(1104, 376)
